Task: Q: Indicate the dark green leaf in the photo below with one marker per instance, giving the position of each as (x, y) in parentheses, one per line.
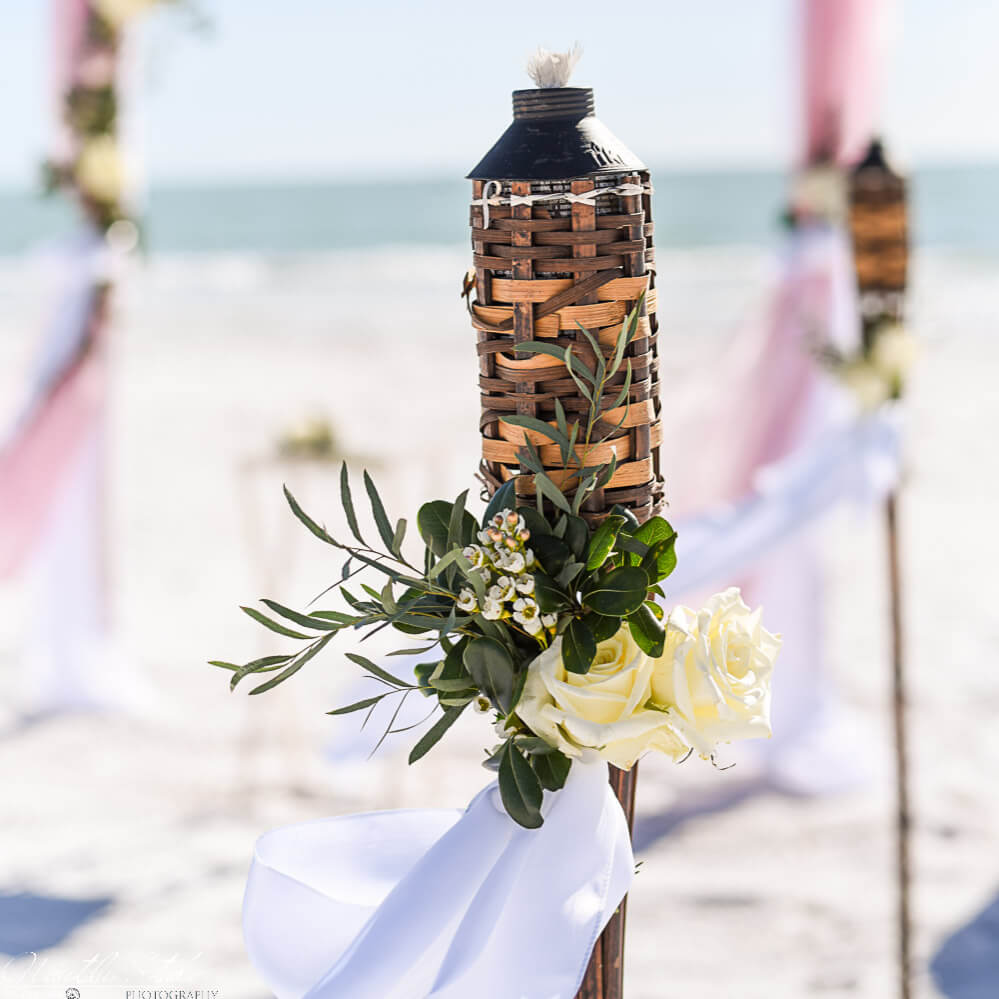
(491, 667)
(648, 631)
(552, 770)
(347, 502)
(601, 626)
(619, 593)
(423, 671)
(602, 542)
(659, 536)
(553, 434)
(432, 522)
(316, 529)
(551, 553)
(520, 788)
(274, 626)
(630, 520)
(548, 596)
(535, 523)
(433, 735)
(399, 537)
(505, 498)
(577, 535)
(462, 527)
(295, 666)
(578, 647)
(569, 572)
(550, 491)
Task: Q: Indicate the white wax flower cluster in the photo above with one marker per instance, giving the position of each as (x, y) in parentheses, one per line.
(710, 685)
(503, 560)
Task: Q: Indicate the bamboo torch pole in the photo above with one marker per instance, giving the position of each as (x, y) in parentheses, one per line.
(879, 231)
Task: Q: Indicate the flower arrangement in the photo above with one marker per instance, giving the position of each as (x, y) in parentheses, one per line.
(532, 614)
(878, 371)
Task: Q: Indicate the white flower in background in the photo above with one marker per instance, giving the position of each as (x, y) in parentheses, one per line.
(466, 601)
(604, 709)
(481, 704)
(713, 678)
(525, 584)
(549, 620)
(893, 354)
(820, 191)
(868, 386)
(529, 558)
(525, 613)
(483, 537)
(492, 609)
(99, 171)
(117, 12)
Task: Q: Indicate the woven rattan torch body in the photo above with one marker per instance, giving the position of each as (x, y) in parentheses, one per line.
(562, 238)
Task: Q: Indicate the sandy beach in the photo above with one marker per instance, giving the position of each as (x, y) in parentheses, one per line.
(125, 838)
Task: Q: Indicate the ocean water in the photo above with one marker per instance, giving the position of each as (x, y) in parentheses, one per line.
(953, 208)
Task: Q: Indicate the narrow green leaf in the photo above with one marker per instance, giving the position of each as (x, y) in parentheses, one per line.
(538, 426)
(347, 502)
(399, 537)
(294, 667)
(571, 368)
(305, 620)
(455, 534)
(378, 511)
(316, 529)
(272, 625)
(552, 492)
(433, 735)
(376, 670)
(357, 705)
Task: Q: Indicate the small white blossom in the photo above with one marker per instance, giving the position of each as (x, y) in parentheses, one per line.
(506, 587)
(514, 562)
(483, 537)
(492, 609)
(529, 558)
(525, 584)
(466, 601)
(476, 555)
(549, 620)
(481, 704)
(525, 613)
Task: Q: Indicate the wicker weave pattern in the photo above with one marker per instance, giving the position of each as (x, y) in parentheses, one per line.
(540, 270)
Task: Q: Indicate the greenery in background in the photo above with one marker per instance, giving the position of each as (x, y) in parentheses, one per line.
(492, 592)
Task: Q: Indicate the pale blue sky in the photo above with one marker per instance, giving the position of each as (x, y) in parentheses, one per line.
(320, 88)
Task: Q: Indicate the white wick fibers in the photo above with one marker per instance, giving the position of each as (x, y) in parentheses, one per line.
(553, 69)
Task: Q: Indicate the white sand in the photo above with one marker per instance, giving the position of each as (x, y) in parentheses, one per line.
(774, 898)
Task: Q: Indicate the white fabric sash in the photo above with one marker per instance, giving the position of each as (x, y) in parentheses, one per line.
(440, 903)
(856, 461)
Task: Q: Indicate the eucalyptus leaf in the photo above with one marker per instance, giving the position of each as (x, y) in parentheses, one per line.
(382, 674)
(520, 788)
(358, 705)
(432, 522)
(434, 734)
(306, 620)
(274, 626)
(347, 502)
(378, 511)
(552, 492)
(526, 422)
(491, 667)
(294, 666)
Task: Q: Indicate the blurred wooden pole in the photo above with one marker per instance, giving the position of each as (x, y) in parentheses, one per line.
(903, 813)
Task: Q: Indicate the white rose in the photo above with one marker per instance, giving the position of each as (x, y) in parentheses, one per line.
(99, 170)
(713, 678)
(867, 384)
(603, 709)
(893, 354)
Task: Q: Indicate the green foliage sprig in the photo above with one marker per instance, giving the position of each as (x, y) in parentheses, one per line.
(492, 592)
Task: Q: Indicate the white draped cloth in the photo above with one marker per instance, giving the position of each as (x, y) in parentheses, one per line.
(440, 903)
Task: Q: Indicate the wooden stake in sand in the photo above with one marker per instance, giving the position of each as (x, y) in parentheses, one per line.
(562, 238)
(879, 231)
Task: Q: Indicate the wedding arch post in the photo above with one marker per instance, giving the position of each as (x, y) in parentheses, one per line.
(562, 237)
(879, 231)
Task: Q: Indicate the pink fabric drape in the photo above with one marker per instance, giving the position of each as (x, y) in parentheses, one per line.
(35, 466)
(842, 49)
